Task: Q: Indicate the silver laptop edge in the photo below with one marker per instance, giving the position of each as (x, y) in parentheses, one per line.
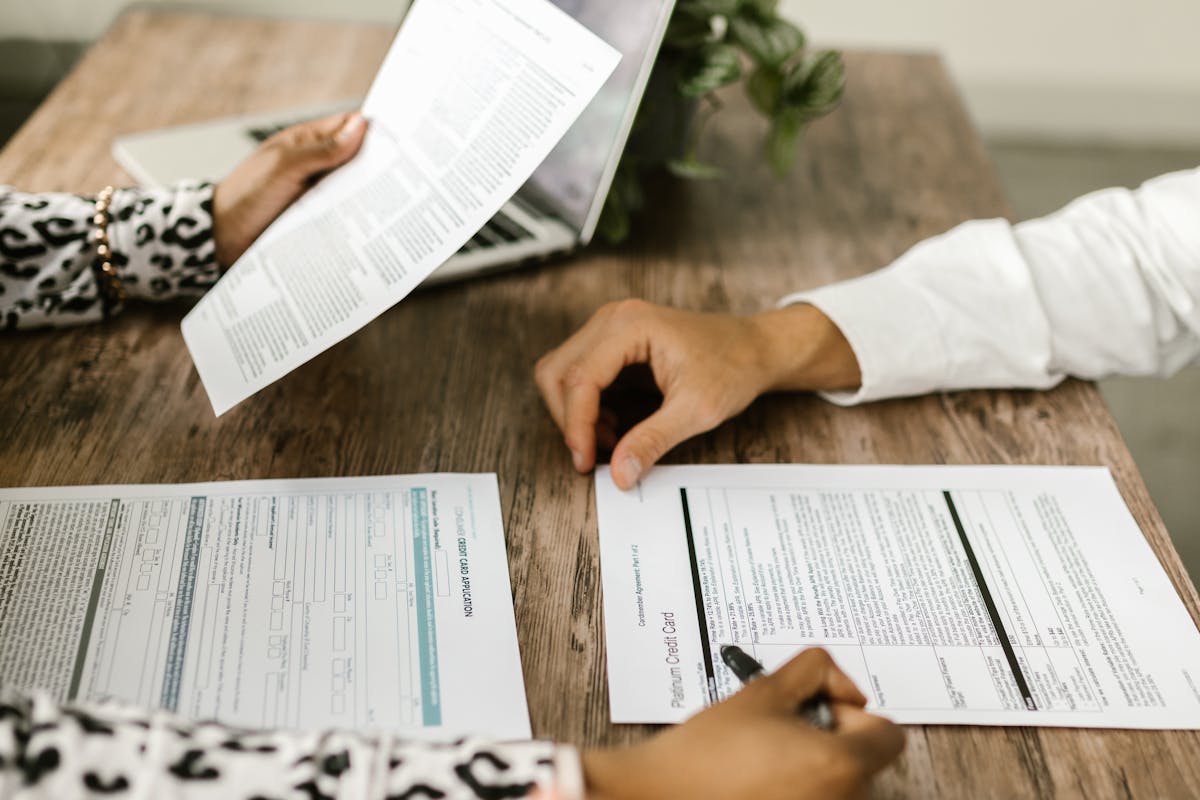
(164, 156)
(614, 156)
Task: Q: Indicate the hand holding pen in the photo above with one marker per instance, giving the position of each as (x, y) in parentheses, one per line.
(754, 744)
(814, 710)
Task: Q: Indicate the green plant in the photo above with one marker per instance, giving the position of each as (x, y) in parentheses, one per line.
(709, 45)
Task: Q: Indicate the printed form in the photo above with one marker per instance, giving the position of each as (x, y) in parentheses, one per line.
(472, 96)
(959, 595)
(377, 603)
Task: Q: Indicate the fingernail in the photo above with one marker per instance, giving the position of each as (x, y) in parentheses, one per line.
(631, 468)
(351, 127)
(577, 457)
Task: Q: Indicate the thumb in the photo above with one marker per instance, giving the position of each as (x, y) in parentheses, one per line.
(649, 440)
(328, 144)
(810, 673)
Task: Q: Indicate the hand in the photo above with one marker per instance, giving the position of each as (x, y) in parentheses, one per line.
(274, 175)
(754, 745)
(708, 367)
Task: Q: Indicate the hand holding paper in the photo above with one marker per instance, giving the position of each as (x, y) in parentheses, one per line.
(471, 98)
(277, 174)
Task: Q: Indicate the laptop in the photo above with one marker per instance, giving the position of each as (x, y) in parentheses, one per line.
(556, 211)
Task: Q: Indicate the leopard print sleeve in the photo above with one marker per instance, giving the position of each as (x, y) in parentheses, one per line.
(162, 243)
(51, 751)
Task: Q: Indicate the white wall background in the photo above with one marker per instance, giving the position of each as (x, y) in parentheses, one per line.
(1123, 70)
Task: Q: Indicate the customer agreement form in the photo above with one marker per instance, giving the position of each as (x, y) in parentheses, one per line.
(379, 603)
(971, 595)
(472, 96)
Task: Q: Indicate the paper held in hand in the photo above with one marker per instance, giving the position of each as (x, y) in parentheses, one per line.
(953, 595)
(472, 96)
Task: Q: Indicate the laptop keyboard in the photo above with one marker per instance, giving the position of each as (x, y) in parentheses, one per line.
(499, 230)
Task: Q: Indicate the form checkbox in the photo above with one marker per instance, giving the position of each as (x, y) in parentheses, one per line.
(339, 633)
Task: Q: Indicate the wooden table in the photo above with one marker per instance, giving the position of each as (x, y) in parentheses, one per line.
(443, 381)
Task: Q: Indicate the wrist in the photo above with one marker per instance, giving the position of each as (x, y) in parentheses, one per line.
(803, 350)
(225, 233)
(606, 775)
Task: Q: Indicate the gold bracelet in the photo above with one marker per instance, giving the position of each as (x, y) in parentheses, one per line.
(112, 291)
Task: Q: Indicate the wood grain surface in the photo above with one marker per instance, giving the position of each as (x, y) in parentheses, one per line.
(443, 381)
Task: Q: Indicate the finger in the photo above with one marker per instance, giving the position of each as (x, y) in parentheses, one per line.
(811, 672)
(875, 741)
(550, 374)
(324, 144)
(583, 382)
(345, 141)
(318, 129)
(649, 440)
(550, 368)
(546, 375)
(581, 412)
(349, 137)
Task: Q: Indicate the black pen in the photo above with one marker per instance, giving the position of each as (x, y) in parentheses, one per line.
(816, 710)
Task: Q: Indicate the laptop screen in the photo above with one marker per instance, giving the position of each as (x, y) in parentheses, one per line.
(574, 174)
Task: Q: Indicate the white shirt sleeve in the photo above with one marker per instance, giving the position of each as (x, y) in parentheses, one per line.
(1108, 285)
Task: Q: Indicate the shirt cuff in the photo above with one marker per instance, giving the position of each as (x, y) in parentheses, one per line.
(957, 311)
(162, 240)
(887, 323)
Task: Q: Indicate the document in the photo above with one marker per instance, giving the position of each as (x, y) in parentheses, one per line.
(367, 603)
(956, 595)
(472, 96)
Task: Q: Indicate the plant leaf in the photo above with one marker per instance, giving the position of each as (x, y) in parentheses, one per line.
(764, 7)
(693, 169)
(815, 86)
(614, 220)
(624, 199)
(710, 68)
(769, 40)
(630, 188)
(688, 31)
(783, 142)
(763, 87)
(709, 7)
